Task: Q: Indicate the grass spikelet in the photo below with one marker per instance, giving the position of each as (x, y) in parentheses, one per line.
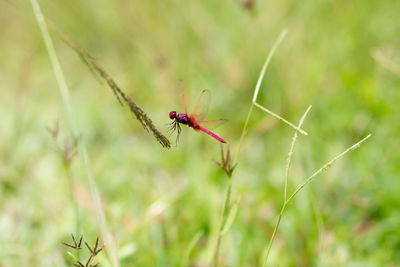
(101, 74)
(77, 246)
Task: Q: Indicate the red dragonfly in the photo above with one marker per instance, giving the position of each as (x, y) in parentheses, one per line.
(195, 119)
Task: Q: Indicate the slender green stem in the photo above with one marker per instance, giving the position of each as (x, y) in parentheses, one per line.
(63, 88)
(78, 230)
(224, 217)
(273, 235)
(257, 89)
(308, 180)
(266, 63)
(73, 199)
(280, 118)
(290, 154)
(327, 165)
(192, 244)
(244, 131)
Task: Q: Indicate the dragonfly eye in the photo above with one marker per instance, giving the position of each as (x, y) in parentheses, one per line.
(172, 115)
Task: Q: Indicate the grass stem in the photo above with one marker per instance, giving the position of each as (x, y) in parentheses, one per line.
(266, 63)
(327, 165)
(102, 76)
(280, 118)
(290, 154)
(244, 131)
(256, 90)
(192, 244)
(308, 180)
(224, 217)
(71, 185)
(63, 88)
(273, 235)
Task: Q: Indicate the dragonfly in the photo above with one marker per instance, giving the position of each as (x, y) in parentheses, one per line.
(195, 119)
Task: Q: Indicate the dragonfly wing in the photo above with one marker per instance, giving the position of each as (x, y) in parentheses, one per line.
(212, 124)
(201, 108)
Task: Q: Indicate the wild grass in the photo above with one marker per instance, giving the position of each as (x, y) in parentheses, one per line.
(228, 166)
(226, 162)
(67, 151)
(77, 247)
(100, 74)
(229, 210)
(153, 206)
(65, 95)
(307, 181)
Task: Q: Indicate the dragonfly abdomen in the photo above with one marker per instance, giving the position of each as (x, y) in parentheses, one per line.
(211, 134)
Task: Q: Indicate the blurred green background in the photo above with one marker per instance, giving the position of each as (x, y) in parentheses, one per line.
(342, 57)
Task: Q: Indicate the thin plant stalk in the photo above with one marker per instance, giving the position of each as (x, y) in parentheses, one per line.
(102, 76)
(255, 95)
(78, 230)
(266, 63)
(65, 95)
(192, 244)
(244, 131)
(225, 213)
(290, 154)
(280, 118)
(308, 180)
(228, 210)
(328, 164)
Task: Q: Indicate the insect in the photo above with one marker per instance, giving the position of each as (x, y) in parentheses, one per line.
(195, 119)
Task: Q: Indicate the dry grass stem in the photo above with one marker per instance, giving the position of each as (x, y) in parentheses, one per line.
(64, 91)
(99, 72)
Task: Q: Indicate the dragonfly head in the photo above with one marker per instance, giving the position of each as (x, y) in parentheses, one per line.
(172, 115)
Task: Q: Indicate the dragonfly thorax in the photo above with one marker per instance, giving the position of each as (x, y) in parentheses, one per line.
(182, 118)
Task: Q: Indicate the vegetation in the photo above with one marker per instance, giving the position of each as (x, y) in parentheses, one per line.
(73, 161)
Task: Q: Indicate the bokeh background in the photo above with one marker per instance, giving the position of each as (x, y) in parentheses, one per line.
(343, 57)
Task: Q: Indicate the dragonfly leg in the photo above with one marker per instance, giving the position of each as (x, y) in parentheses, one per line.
(172, 127)
(178, 133)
